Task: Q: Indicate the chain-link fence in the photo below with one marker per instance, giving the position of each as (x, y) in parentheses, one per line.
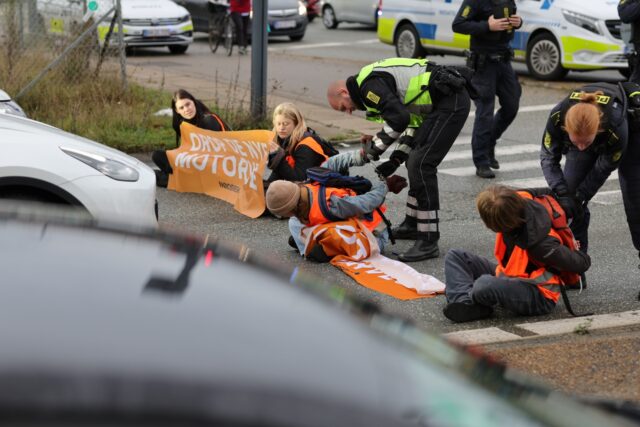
(50, 42)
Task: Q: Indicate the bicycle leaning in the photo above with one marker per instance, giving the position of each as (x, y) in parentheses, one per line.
(221, 27)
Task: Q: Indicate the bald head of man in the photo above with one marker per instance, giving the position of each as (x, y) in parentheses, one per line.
(339, 98)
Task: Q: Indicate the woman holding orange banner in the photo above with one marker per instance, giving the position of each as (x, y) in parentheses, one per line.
(185, 108)
(296, 148)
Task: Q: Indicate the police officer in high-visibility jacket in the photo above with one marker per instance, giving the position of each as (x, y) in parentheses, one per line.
(423, 107)
(491, 25)
(590, 128)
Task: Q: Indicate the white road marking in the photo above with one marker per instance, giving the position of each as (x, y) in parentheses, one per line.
(321, 45)
(547, 328)
(504, 167)
(527, 109)
(540, 181)
(500, 151)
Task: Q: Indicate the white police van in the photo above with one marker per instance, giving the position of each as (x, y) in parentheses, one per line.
(556, 36)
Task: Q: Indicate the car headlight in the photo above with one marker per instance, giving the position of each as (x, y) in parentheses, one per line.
(11, 108)
(184, 18)
(114, 169)
(302, 9)
(582, 21)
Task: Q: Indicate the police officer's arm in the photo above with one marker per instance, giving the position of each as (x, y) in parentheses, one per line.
(606, 162)
(357, 206)
(629, 10)
(553, 254)
(377, 93)
(467, 21)
(551, 153)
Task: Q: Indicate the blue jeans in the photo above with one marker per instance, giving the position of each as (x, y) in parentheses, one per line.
(471, 278)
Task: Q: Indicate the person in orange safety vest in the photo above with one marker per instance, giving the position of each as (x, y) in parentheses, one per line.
(311, 204)
(529, 255)
(296, 147)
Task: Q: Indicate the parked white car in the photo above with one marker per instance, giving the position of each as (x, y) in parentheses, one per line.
(556, 35)
(146, 23)
(358, 11)
(9, 106)
(45, 164)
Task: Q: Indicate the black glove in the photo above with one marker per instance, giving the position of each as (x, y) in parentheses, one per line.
(387, 168)
(568, 203)
(399, 156)
(372, 152)
(395, 183)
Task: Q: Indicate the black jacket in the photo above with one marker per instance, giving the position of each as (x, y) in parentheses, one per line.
(609, 145)
(534, 237)
(303, 156)
(473, 19)
(629, 12)
(203, 121)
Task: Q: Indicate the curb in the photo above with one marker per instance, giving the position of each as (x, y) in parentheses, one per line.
(575, 325)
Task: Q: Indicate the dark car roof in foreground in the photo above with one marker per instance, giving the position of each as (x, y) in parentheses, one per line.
(146, 323)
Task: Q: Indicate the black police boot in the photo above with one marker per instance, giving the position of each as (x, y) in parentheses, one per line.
(408, 230)
(421, 250)
(485, 172)
(466, 312)
(292, 243)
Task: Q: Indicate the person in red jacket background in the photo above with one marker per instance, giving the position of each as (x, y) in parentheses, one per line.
(240, 10)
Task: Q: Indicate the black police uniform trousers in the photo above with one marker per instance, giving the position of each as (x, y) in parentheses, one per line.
(634, 63)
(493, 78)
(434, 138)
(629, 177)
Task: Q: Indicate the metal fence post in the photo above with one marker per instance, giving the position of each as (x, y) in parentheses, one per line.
(121, 48)
(259, 59)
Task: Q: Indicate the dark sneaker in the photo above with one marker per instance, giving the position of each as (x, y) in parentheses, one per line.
(162, 178)
(292, 243)
(462, 312)
(318, 254)
(421, 250)
(494, 163)
(485, 172)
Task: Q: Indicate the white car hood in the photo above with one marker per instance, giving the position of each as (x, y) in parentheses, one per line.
(39, 133)
(599, 9)
(151, 9)
(4, 96)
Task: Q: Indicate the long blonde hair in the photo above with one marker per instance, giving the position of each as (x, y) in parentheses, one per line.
(291, 112)
(584, 118)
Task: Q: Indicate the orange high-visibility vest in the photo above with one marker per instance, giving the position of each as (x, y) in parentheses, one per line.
(518, 262)
(315, 212)
(311, 143)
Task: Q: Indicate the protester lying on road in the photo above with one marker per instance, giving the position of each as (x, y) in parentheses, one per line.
(423, 107)
(188, 109)
(304, 205)
(530, 259)
(296, 147)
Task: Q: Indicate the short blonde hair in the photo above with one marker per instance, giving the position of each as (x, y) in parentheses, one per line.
(291, 112)
(501, 208)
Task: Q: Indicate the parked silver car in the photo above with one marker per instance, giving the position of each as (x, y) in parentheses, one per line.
(358, 11)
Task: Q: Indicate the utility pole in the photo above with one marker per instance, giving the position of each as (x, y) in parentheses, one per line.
(259, 37)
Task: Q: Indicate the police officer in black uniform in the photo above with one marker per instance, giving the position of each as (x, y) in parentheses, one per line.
(491, 25)
(422, 107)
(629, 11)
(588, 163)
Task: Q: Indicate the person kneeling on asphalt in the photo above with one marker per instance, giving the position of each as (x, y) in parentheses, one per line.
(529, 257)
(300, 202)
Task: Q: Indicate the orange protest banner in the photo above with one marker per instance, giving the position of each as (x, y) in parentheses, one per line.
(225, 165)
